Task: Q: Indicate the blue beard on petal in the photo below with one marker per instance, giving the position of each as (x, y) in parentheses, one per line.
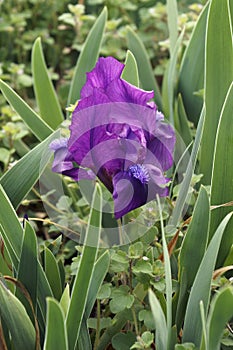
(139, 172)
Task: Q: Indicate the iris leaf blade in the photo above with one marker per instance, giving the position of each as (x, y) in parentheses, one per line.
(192, 251)
(130, 72)
(37, 125)
(222, 175)
(220, 313)
(52, 273)
(85, 272)
(17, 320)
(183, 193)
(160, 322)
(13, 237)
(28, 265)
(146, 75)
(87, 57)
(29, 168)
(172, 14)
(218, 77)
(192, 330)
(50, 110)
(191, 77)
(56, 335)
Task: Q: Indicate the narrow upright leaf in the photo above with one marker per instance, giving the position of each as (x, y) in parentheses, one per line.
(181, 122)
(55, 336)
(146, 75)
(130, 72)
(171, 77)
(52, 273)
(160, 322)
(191, 77)
(46, 97)
(221, 311)
(17, 320)
(12, 227)
(13, 237)
(168, 280)
(218, 77)
(100, 269)
(221, 184)
(20, 179)
(192, 251)
(192, 330)
(172, 14)
(28, 265)
(183, 193)
(37, 125)
(87, 57)
(85, 272)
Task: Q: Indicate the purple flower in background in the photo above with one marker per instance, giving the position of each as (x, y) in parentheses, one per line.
(120, 137)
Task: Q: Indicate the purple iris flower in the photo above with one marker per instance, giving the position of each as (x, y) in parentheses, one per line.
(118, 136)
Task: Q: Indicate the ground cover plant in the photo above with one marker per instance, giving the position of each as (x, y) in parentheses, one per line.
(116, 188)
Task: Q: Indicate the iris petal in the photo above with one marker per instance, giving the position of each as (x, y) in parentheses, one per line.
(121, 91)
(161, 146)
(129, 193)
(118, 134)
(63, 159)
(105, 71)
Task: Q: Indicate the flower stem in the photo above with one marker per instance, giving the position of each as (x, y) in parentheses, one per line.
(135, 320)
(97, 326)
(120, 231)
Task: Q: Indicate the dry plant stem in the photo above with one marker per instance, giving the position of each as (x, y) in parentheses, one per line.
(171, 245)
(47, 221)
(3, 345)
(47, 202)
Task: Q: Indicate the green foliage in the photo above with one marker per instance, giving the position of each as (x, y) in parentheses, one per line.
(88, 57)
(192, 69)
(200, 291)
(146, 78)
(17, 320)
(218, 77)
(48, 103)
(85, 272)
(158, 291)
(55, 337)
(222, 174)
(192, 251)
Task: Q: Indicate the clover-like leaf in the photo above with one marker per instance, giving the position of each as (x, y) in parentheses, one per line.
(123, 341)
(144, 342)
(135, 250)
(105, 322)
(104, 291)
(143, 266)
(147, 317)
(119, 262)
(121, 299)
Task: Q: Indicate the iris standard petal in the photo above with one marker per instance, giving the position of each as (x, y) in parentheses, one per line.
(106, 70)
(121, 91)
